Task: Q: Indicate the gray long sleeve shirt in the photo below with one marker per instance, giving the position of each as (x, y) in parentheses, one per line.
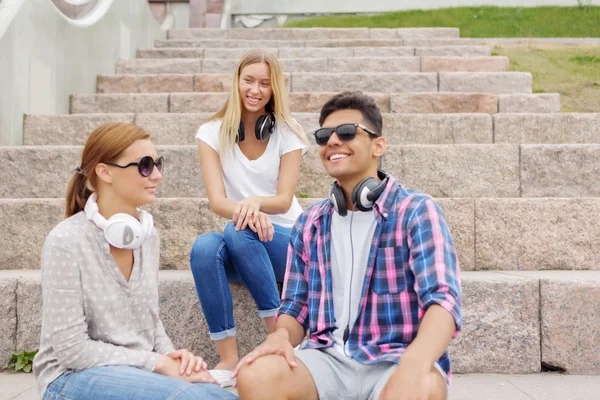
(92, 316)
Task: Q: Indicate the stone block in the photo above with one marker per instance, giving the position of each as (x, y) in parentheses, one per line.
(547, 128)
(438, 129)
(8, 317)
(464, 64)
(501, 331)
(257, 44)
(196, 102)
(26, 223)
(145, 83)
(469, 170)
(485, 82)
(234, 53)
(312, 102)
(371, 82)
(222, 82)
(384, 51)
(196, 43)
(425, 42)
(560, 170)
(570, 313)
(352, 43)
(184, 320)
(211, 66)
(383, 33)
(172, 129)
(529, 103)
(453, 51)
(459, 215)
(537, 234)
(427, 33)
(198, 33)
(70, 130)
(160, 66)
(372, 64)
(34, 172)
(170, 53)
(29, 311)
(179, 222)
(443, 103)
(119, 103)
(316, 52)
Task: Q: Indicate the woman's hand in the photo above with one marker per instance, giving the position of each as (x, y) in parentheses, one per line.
(189, 362)
(245, 211)
(263, 227)
(172, 367)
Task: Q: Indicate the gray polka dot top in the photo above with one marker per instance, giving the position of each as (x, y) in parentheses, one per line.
(92, 316)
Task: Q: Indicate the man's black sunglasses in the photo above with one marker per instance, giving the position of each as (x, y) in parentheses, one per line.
(145, 165)
(345, 132)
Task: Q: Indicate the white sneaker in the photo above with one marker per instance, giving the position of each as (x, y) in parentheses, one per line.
(222, 376)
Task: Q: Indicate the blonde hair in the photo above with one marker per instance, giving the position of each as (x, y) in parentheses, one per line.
(104, 144)
(231, 112)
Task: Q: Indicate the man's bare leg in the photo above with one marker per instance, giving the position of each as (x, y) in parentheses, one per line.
(270, 377)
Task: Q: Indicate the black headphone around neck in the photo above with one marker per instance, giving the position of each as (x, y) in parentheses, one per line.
(264, 127)
(364, 194)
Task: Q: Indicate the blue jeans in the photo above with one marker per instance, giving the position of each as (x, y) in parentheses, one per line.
(128, 383)
(237, 256)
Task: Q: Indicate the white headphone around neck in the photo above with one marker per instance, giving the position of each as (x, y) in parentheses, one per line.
(121, 230)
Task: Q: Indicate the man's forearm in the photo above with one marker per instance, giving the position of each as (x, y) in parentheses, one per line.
(434, 336)
(292, 327)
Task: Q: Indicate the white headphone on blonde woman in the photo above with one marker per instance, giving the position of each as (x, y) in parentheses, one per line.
(121, 230)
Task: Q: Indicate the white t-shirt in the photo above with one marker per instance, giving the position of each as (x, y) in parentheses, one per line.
(244, 178)
(351, 238)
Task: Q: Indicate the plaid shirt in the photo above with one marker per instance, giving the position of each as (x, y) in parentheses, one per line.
(412, 265)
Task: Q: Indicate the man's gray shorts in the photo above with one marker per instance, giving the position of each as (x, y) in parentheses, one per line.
(340, 377)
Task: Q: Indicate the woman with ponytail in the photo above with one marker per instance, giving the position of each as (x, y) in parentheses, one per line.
(102, 337)
(250, 152)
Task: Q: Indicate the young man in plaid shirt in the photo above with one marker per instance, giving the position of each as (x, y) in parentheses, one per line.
(372, 275)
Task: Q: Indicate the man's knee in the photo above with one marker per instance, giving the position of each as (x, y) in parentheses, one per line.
(264, 372)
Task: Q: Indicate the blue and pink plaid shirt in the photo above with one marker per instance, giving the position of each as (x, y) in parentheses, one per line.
(411, 266)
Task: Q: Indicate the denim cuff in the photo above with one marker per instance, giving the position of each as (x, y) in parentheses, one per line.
(223, 334)
(268, 313)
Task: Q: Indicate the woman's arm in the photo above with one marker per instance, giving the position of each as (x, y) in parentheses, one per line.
(289, 172)
(213, 181)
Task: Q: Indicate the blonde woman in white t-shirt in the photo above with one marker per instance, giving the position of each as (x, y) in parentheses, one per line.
(250, 155)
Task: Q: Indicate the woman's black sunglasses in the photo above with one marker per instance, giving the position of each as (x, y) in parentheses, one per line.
(345, 132)
(145, 165)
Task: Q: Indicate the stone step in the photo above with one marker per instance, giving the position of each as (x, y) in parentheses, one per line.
(455, 170)
(230, 44)
(313, 33)
(518, 320)
(348, 64)
(489, 233)
(407, 103)
(388, 82)
(180, 129)
(319, 52)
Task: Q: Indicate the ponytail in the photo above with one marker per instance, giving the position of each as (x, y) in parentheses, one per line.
(78, 193)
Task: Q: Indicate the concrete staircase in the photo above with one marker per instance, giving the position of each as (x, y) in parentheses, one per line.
(517, 179)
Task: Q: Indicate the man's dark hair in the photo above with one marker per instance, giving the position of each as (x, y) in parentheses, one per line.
(355, 101)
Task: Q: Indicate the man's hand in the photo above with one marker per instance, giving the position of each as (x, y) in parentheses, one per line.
(410, 381)
(277, 343)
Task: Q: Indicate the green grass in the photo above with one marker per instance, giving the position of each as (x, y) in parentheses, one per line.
(572, 71)
(479, 22)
